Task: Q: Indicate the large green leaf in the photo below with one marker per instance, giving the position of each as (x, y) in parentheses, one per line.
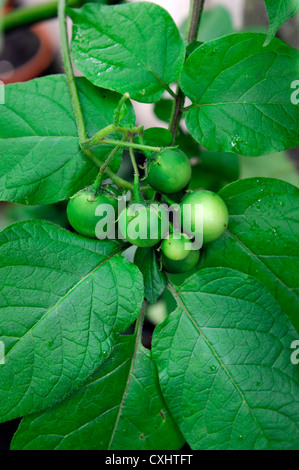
(63, 300)
(241, 94)
(280, 11)
(262, 237)
(134, 48)
(40, 157)
(119, 408)
(224, 364)
(154, 278)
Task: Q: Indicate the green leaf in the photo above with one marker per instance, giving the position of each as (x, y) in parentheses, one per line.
(192, 47)
(280, 11)
(241, 94)
(154, 137)
(157, 137)
(119, 408)
(64, 300)
(278, 166)
(154, 278)
(163, 109)
(224, 365)
(134, 48)
(41, 160)
(262, 238)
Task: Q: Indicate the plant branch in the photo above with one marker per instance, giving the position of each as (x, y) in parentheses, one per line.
(120, 182)
(26, 16)
(118, 110)
(70, 78)
(94, 141)
(2, 3)
(137, 193)
(196, 9)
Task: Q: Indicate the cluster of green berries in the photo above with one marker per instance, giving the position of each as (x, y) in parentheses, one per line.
(169, 173)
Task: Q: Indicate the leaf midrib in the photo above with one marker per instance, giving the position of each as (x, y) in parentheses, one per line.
(179, 300)
(62, 299)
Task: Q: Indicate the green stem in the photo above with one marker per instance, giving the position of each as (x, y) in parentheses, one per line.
(2, 3)
(195, 13)
(172, 93)
(93, 142)
(100, 176)
(120, 182)
(70, 78)
(98, 182)
(137, 192)
(119, 108)
(100, 135)
(29, 15)
(109, 159)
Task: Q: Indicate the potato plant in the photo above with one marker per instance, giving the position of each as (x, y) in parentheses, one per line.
(222, 371)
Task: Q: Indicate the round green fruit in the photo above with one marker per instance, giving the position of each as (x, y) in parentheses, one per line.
(82, 209)
(143, 226)
(214, 212)
(170, 172)
(183, 266)
(175, 247)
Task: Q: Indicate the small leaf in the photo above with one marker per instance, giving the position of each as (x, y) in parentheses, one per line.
(134, 48)
(262, 238)
(64, 299)
(119, 408)
(163, 109)
(41, 159)
(241, 94)
(154, 278)
(157, 137)
(224, 365)
(280, 11)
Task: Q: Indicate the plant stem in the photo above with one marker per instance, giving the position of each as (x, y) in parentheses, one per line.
(93, 142)
(2, 3)
(98, 182)
(70, 78)
(137, 193)
(196, 9)
(99, 179)
(176, 114)
(33, 14)
(119, 109)
(109, 159)
(195, 13)
(121, 183)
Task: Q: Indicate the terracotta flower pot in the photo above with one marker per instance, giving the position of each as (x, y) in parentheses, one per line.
(26, 54)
